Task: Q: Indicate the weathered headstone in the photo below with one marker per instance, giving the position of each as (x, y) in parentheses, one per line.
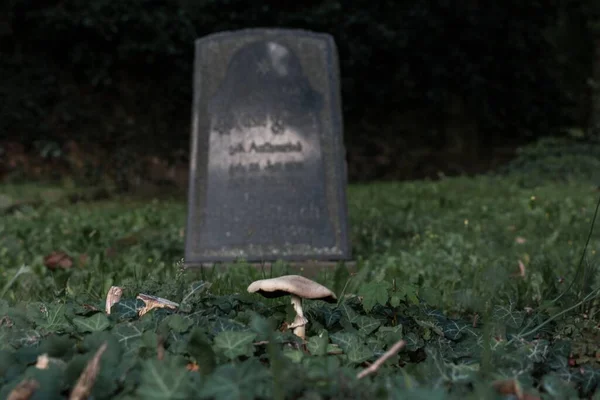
(268, 171)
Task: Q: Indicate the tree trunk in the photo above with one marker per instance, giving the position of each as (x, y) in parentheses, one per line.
(594, 119)
(461, 132)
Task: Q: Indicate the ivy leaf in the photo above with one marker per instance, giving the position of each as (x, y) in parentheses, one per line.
(557, 388)
(409, 292)
(195, 291)
(430, 325)
(247, 380)
(50, 383)
(166, 379)
(537, 350)
(129, 335)
(96, 323)
(374, 293)
(55, 320)
(366, 325)
(317, 345)
(200, 348)
(454, 330)
(294, 355)
(348, 311)
(359, 353)
(590, 377)
(235, 344)
(507, 315)
(390, 334)
(413, 342)
(127, 309)
(345, 340)
(178, 323)
(331, 316)
(226, 325)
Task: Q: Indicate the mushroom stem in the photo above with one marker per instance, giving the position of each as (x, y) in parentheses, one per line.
(300, 321)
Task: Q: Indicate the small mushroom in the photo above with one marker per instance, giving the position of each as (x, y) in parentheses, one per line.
(298, 287)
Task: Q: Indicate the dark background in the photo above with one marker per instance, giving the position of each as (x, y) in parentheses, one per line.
(102, 89)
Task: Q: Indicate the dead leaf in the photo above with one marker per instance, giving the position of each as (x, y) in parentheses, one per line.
(113, 297)
(24, 390)
(153, 302)
(508, 387)
(86, 380)
(121, 244)
(520, 240)
(42, 361)
(160, 348)
(5, 321)
(522, 270)
(58, 259)
(512, 387)
(193, 367)
(83, 260)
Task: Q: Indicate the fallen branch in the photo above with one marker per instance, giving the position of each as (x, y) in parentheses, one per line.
(160, 348)
(379, 362)
(86, 380)
(24, 390)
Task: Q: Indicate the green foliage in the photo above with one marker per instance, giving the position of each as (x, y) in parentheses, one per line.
(556, 160)
(232, 364)
(473, 274)
(58, 52)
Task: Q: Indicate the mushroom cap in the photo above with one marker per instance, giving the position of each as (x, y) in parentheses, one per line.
(292, 284)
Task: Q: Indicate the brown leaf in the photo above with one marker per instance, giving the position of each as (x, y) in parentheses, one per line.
(83, 260)
(86, 380)
(520, 240)
(154, 302)
(24, 390)
(508, 387)
(113, 297)
(5, 321)
(193, 367)
(43, 361)
(522, 270)
(512, 387)
(160, 348)
(58, 259)
(121, 244)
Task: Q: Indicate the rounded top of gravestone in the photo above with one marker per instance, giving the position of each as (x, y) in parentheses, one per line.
(295, 285)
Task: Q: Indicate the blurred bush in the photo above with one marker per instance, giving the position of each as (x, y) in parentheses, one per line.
(466, 76)
(556, 160)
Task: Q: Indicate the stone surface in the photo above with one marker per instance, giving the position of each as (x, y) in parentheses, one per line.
(268, 172)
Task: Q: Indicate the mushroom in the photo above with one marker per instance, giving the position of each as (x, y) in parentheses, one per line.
(298, 287)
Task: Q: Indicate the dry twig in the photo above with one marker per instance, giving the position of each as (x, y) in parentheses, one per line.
(379, 362)
(24, 390)
(160, 348)
(86, 380)
(512, 387)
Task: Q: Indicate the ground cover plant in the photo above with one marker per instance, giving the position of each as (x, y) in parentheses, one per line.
(482, 279)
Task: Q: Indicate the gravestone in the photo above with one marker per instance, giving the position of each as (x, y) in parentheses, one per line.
(268, 171)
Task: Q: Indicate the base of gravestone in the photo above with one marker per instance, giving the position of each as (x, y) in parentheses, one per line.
(308, 269)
